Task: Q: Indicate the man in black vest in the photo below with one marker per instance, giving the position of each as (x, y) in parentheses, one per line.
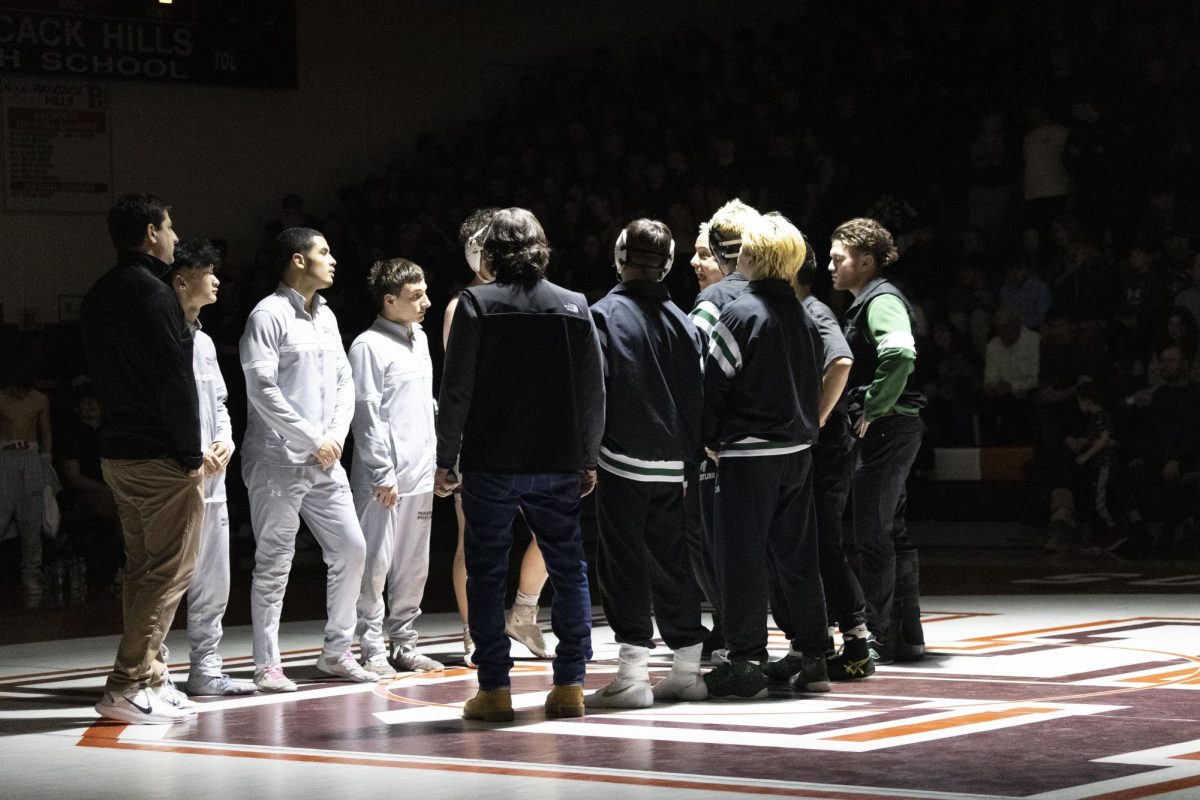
(884, 412)
(522, 398)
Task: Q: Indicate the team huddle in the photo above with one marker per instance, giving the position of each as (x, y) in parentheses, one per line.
(757, 410)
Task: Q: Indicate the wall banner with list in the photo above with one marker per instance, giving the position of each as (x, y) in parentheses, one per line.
(57, 146)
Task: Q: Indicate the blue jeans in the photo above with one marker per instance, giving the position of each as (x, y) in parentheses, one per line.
(550, 503)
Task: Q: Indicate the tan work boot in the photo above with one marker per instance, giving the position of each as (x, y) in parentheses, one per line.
(490, 705)
(565, 701)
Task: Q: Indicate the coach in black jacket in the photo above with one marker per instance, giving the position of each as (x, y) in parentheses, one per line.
(522, 408)
(139, 353)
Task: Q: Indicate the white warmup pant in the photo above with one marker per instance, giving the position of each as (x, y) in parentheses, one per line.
(279, 496)
(22, 480)
(208, 593)
(398, 555)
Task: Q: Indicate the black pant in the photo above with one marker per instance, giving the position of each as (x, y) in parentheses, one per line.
(699, 510)
(765, 546)
(882, 461)
(831, 467)
(643, 564)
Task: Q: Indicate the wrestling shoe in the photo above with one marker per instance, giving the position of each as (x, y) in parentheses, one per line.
(521, 625)
(684, 682)
(565, 701)
(736, 680)
(378, 664)
(852, 662)
(139, 704)
(801, 672)
(490, 705)
(344, 666)
(198, 685)
(412, 661)
(881, 652)
(622, 692)
(272, 679)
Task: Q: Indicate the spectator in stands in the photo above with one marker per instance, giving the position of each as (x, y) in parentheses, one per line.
(1143, 298)
(1177, 328)
(951, 380)
(992, 176)
(1010, 373)
(1046, 182)
(1166, 448)
(971, 304)
(1026, 293)
(89, 510)
(1067, 353)
(1189, 296)
(1094, 466)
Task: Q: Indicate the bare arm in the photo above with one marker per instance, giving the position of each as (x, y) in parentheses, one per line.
(833, 383)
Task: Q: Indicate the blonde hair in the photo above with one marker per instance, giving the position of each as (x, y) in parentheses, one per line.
(731, 219)
(725, 231)
(774, 246)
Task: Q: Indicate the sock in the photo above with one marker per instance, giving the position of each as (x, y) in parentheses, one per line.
(633, 663)
(857, 632)
(526, 599)
(686, 660)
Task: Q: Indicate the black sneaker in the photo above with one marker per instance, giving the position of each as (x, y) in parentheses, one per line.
(812, 677)
(738, 680)
(852, 662)
(881, 652)
(800, 672)
(781, 671)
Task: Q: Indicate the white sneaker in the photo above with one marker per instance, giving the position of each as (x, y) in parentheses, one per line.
(272, 679)
(623, 692)
(678, 687)
(140, 705)
(198, 685)
(169, 694)
(378, 664)
(344, 666)
(412, 661)
(521, 624)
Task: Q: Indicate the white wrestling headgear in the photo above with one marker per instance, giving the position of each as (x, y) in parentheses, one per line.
(473, 248)
(626, 256)
(725, 251)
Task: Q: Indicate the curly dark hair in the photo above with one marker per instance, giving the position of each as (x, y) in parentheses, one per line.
(516, 246)
(868, 237)
(478, 219)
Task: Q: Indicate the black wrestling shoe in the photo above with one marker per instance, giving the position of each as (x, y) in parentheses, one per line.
(852, 662)
(802, 673)
(737, 680)
(881, 652)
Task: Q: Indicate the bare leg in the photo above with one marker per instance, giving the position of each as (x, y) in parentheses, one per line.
(459, 570)
(533, 570)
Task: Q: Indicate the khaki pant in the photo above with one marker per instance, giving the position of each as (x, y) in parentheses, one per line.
(161, 508)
